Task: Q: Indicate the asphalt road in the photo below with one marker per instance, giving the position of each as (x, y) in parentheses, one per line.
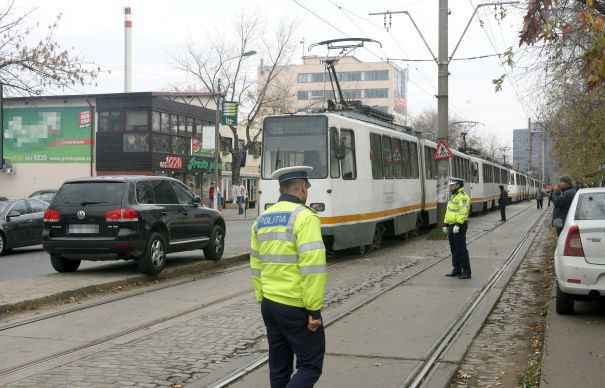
(34, 261)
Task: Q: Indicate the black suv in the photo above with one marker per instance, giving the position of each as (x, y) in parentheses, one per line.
(128, 217)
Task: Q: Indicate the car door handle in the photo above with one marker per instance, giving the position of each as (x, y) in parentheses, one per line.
(164, 213)
(185, 212)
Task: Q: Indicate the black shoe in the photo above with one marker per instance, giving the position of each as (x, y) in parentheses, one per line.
(464, 276)
(454, 273)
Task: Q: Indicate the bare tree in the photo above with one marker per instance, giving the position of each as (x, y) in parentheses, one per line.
(427, 123)
(30, 69)
(218, 63)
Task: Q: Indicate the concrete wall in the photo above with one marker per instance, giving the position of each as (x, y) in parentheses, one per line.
(29, 177)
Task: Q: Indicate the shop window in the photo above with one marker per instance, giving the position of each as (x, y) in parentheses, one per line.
(165, 122)
(156, 121)
(134, 142)
(376, 156)
(110, 121)
(188, 125)
(181, 145)
(160, 143)
(137, 120)
(173, 123)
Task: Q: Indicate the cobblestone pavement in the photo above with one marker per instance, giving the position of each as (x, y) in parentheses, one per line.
(508, 348)
(193, 349)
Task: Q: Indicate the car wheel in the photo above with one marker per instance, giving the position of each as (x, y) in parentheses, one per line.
(216, 245)
(3, 249)
(565, 302)
(153, 260)
(61, 264)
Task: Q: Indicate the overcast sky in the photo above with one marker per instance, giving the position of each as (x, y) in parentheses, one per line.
(95, 29)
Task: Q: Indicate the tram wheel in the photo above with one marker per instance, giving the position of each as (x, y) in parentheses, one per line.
(378, 235)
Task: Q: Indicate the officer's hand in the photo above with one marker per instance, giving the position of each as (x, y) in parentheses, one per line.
(455, 229)
(314, 324)
(445, 229)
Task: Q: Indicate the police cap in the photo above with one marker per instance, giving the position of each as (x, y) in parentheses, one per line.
(453, 180)
(293, 172)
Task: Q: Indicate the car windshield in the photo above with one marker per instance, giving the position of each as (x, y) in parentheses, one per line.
(90, 193)
(591, 206)
(295, 141)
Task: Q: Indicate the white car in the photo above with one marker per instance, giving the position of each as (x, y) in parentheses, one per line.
(580, 253)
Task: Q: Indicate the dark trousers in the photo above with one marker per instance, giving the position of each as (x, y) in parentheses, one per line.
(288, 334)
(540, 203)
(502, 213)
(460, 259)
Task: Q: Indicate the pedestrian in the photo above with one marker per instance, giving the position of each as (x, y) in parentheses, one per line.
(244, 191)
(503, 202)
(288, 262)
(549, 195)
(219, 198)
(211, 194)
(239, 198)
(456, 225)
(561, 200)
(540, 198)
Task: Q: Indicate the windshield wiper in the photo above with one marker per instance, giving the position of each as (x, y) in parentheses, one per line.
(84, 203)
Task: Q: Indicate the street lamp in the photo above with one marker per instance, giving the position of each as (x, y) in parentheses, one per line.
(217, 131)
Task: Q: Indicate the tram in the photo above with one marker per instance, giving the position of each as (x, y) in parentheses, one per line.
(372, 177)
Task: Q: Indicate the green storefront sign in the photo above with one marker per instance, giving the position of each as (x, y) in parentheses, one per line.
(202, 165)
(47, 135)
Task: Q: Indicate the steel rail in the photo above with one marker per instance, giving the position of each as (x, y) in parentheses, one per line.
(419, 268)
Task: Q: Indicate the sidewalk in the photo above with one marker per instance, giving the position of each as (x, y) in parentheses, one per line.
(230, 214)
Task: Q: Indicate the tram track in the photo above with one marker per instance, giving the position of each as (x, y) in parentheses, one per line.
(99, 344)
(418, 269)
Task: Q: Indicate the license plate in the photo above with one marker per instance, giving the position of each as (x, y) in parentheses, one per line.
(83, 228)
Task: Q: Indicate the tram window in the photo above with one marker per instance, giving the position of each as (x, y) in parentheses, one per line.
(375, 156)
(349, 169)
(397, 160)
(334, 165)
(414, 160)
(387, 157)
(475, 172)
(405, 158)
(429, 173)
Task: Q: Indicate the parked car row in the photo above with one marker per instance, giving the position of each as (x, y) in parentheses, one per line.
(21, 222)
(124, 217)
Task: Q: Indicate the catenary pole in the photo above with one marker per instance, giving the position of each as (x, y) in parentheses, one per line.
(442, 108)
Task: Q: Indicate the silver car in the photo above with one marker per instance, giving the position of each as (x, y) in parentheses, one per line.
(580, 253)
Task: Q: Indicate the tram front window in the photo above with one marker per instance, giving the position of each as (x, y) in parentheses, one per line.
(295, 141)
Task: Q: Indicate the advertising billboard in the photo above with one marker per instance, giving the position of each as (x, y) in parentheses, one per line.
(400, 91)
(47, 135)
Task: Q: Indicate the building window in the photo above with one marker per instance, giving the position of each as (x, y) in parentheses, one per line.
(349, 94)
(188, 125)
(160, 143)
(345, 76)
(165, 125)
(173, 123)
(181, 145)
(156, 121)
(137, 120)
(110, 121)
(133, 142)
(226, 143)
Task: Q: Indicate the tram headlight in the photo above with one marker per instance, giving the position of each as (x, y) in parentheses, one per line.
(268, 205)
(318, 207)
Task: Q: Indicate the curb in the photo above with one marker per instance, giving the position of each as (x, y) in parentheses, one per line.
(130, 280)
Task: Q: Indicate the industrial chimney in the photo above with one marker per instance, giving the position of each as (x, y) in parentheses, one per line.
(127, 50)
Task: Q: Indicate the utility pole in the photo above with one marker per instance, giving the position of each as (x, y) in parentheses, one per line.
(442, 87)
(217, 135)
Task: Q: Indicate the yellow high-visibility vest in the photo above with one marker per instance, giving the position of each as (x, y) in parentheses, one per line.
(458, 208)
(288, 257)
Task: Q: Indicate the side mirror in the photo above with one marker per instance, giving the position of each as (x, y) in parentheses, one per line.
(12, 213)
(338, 147)
(197, 200)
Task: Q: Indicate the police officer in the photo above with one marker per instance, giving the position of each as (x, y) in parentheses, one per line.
(456, 217)
(288, 262)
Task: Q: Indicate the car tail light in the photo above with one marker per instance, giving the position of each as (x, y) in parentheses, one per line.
(573, 243)
(52, 215)
(121, 215)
